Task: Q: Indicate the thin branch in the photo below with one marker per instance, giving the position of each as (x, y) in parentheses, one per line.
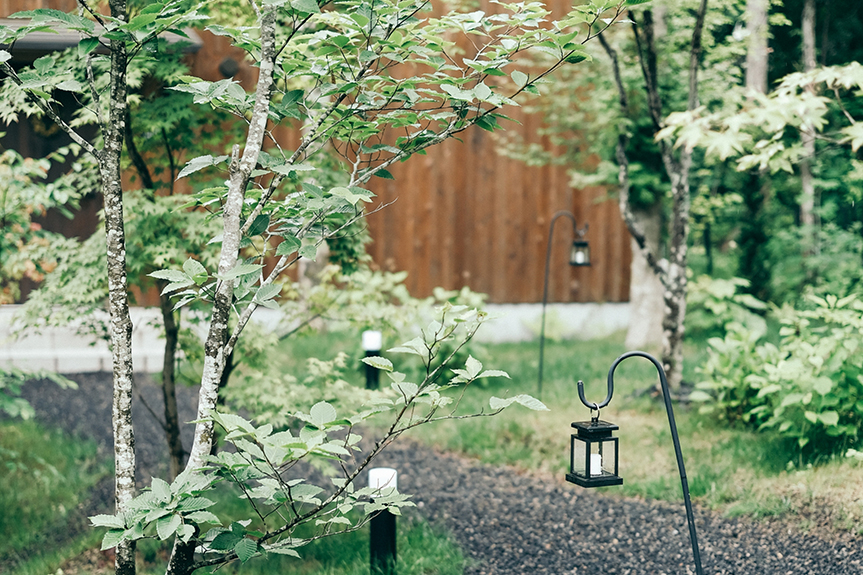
(49, 111)
(96, 16)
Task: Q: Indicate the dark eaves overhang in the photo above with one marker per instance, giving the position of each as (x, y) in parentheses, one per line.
(37, 44)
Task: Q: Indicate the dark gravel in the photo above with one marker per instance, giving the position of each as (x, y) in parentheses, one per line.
(510, 522)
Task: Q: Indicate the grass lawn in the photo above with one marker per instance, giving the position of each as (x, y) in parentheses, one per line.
(45, 478)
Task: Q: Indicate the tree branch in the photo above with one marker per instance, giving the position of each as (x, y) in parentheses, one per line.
(49, 111)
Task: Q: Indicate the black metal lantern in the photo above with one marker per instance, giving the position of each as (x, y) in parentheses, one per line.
(579, 255)
(593, 454)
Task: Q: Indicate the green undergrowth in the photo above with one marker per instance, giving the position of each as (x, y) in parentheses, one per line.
(45, 477)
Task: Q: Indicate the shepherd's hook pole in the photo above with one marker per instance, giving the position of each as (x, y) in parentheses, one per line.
(545, 292)
(666, 395)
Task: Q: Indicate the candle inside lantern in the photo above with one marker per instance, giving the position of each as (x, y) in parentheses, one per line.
(579, 257)
(595, 464)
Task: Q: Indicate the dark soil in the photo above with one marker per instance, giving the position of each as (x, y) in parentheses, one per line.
(509, 522)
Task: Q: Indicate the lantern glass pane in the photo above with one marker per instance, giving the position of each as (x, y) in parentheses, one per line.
(578, 456)
(609, 456)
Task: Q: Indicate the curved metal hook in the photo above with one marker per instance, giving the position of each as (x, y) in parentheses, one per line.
(610, 382)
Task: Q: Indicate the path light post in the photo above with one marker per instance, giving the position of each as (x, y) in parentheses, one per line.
(579, 255)
(593, 450)
(372, 344)
(382, 526)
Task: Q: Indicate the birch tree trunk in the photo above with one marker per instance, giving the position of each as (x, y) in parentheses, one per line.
(671, 271)
(215, 346)
(113, 132)
(756, 51)
(807, 197)
(645, 288)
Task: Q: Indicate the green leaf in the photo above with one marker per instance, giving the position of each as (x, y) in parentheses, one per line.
(322, 413)
(493, 373)
(405, 388)
(167, 526)
(161, 490)
(635, 2)
(107, 521)
(225, 541)
(699, 395)
(576, 57)
(260, 225)
(289, 245)
(174, 276)
(282, 550)
(829, 418)
(306, 6)
(240, 270)
(5, 56)
(854, 134)
(200, 163)
(194, 504)
(111, 539)
(86, 46)
(525, 400)
(811, 416)
(384, 174)
(473, 367)
(245, 549)
(377, 362)
(520, 78)
(267, 292)
(823, 385)
(195, 270)
(310, 252)
(203, 517)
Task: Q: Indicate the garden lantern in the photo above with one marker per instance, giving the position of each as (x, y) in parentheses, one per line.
(593, 447)
(593, 454)
(579, 255)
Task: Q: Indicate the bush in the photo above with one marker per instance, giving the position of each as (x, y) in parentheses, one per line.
(712, 304)
(809, 388)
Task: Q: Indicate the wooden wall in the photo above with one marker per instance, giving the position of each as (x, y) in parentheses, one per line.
(464, 215)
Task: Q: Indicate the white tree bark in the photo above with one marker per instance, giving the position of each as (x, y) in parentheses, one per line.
(807, 197)
(215, 353)
(113, 133)
(757, 50)
(646, 303)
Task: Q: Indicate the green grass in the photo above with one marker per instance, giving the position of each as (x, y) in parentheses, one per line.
(421, 550)
(45, 477)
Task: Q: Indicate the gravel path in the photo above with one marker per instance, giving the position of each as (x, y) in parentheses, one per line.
(510, 522)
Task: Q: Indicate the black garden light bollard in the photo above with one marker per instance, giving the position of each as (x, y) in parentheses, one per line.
(382, 527)
(593, 450)
(372, 344)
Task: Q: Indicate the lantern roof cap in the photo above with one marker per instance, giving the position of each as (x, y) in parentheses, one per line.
(594, 428)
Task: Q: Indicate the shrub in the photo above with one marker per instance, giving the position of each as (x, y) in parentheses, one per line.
(712, 304)
(809, 388)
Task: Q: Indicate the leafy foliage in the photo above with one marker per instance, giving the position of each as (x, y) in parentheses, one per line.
(712, 304)
(263, 453)
(809, 388)
(26, 249)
